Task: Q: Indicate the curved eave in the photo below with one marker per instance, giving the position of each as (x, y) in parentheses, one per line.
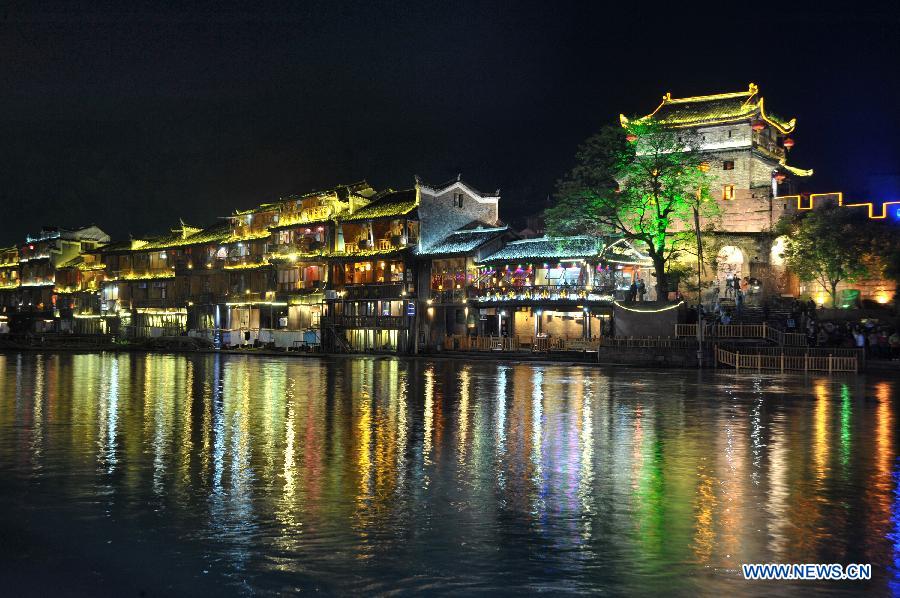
(782, 127)
(796, 171)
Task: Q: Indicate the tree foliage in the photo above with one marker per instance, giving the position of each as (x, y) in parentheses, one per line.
(641, 184)
(827, 246)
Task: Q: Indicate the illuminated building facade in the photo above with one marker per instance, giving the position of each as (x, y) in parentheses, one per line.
(747, 148)
(754, 185)
(381, 264)
(353, 269)
(35, 304)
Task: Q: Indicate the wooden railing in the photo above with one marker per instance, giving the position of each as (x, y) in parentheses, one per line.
(723, 331)
(796, 351)
(783, 362)
(543, 344)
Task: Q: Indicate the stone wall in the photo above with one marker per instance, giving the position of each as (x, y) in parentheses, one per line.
(439, 216)
(649, 357)
(628, 322)
(872, 289)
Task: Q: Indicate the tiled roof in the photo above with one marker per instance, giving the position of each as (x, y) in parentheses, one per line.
(547, 248)
(623, 252)
(389, 205)
(715, 109)
(75, 261)
(464, 241)
(213, 234)
(119, 246)
(360, 188)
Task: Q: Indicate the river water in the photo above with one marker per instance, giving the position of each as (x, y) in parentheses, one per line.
(136, 474)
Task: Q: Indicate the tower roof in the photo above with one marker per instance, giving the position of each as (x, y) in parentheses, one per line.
(714, 109)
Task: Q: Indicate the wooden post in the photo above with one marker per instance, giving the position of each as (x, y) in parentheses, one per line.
(716, 356)
(806, 362)
(737, 361)
(759, 363)
(782, 361)
(829, 363)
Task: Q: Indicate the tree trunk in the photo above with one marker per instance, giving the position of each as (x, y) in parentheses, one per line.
(662, 280)
(834, 294)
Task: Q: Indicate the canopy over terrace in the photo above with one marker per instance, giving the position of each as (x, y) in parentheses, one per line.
(572, 270)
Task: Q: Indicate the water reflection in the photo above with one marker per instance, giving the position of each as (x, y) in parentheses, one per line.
(279, 474)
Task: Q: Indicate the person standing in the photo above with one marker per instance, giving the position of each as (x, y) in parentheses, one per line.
(860, 339)
(641, 289)
(632, 291)
(811, 335)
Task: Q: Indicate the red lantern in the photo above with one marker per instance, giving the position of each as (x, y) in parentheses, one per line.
(780, 178)
(758, 126)
(631, 137)
(788, 143)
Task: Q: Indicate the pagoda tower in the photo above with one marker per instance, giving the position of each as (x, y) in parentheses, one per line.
(748, 149)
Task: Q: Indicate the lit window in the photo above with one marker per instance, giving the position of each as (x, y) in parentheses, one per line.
(728, 192)
(728, 165)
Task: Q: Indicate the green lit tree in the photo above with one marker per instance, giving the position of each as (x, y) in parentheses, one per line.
(642, 183)
(827, 246)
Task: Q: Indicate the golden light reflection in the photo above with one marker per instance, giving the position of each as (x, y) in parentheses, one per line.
(364, 451)
(705, 535)
(779, 490)
(821, 431)
(429, 415)
(881, 486)
(462, 437)
(295, 459)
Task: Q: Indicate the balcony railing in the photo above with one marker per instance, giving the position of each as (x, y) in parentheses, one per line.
(375, 291)
(158, 302)
(300, 285)
(451, 296)
(387, 244)
(396, 322)
(547, 293)
(767, 146)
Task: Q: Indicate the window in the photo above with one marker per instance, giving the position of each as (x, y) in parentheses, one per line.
(728, 192)
(457, 200)
(287, 279)
(729, 133)
(727, 164)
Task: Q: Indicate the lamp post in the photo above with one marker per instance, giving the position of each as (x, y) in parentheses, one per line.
(699, 289)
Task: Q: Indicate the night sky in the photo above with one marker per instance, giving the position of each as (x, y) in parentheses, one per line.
(133, 119)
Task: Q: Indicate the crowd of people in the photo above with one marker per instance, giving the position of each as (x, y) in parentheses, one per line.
(879, 341)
